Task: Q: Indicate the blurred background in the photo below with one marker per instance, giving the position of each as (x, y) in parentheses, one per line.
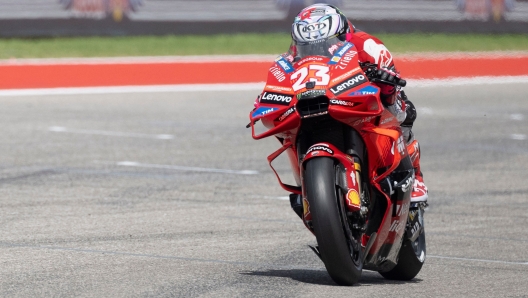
(139, 17)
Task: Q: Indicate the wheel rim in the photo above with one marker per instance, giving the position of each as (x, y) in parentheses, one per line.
(419, 244)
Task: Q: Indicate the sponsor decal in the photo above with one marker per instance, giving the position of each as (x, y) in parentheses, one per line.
(314, 27)
(353, 175)
(386, 120)
(306, 207)
(353, 198)
(396, 226)
(348, 84)
(400, 144)
(345, 75)
(415, 228)
(309, 59)
(344, 49)
(278, 73)
(365, 91)
(333, 48)
(311, 93)
(343, 63)
(263, 111)
(366, 119)
(320, 147)
(341, 102)
(286, 114)
(276, 98)
(408, 183)
(412, 214)
(278, 88)
(337, 57)
(99, 9)
(400, 208)
(284, 64)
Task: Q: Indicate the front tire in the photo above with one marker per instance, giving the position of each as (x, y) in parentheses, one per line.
(330, 222)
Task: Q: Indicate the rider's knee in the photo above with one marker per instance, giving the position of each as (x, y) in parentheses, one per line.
(410, 110)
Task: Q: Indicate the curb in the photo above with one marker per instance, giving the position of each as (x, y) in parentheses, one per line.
(144, 71)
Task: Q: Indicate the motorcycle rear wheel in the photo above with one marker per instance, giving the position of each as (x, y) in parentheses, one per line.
(410, 259)
(343, 264)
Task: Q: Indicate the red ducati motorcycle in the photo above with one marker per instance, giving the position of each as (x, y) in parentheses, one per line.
(353, 172)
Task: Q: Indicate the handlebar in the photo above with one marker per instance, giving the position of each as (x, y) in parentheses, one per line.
(397, 82)
(371, 70)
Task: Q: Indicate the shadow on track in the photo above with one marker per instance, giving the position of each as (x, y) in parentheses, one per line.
(321, 277)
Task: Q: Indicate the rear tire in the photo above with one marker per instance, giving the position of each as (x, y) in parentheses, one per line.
(410, 259)
(328, 219)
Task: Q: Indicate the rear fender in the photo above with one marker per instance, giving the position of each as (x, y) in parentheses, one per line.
(351, 184)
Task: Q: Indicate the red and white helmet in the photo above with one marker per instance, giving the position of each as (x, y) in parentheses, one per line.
(319, 21)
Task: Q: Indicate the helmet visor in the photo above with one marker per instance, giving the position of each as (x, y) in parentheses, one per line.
(322, 47)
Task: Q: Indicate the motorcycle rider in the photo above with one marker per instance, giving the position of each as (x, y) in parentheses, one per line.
(369, 50)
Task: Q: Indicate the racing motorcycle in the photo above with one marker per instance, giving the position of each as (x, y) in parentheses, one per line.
(353, 172)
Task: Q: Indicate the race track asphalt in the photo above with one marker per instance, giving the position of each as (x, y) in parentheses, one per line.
(167, 195)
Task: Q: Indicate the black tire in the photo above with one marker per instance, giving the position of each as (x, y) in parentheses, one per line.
(410, 259)
(327, 220)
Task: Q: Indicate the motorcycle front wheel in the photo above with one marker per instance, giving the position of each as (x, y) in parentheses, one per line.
(331, 226)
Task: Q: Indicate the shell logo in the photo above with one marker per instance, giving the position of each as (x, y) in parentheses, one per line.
(353, 199)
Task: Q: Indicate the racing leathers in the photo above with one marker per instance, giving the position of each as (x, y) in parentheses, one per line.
(372, 50)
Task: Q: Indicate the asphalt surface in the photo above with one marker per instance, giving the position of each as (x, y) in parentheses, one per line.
(167, 195)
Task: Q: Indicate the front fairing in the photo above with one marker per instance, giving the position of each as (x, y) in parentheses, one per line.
(335, 75)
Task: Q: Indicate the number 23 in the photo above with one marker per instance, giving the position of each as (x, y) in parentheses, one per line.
(321, 77)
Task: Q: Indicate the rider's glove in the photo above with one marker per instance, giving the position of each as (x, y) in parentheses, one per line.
(389, 75)
(388, 92)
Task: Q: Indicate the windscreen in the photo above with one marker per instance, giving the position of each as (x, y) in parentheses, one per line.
(323, 47)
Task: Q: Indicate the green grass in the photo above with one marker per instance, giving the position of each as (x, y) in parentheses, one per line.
(238, 44)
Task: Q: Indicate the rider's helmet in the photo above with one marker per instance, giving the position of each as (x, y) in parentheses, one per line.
(315, 26)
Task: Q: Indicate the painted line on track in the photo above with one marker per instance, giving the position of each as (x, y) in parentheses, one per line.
(256, 86)
(62, 129)
(517, 117)
(518, 137)
(184, 168)
(467, 81)
(477, 260)
(134, 89)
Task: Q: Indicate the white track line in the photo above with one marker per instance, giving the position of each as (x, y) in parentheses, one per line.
(182, 168)
(477, 260)
(246, 58)
(517, 117)
(140, 60)
(467, 81)
(519, 137)
(463, 81)
(133, 89)
(110, 133)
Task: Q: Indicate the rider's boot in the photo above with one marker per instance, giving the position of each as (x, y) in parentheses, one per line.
(419, 193)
